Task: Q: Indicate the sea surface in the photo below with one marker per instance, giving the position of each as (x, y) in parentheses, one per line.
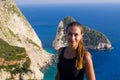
(102, 17)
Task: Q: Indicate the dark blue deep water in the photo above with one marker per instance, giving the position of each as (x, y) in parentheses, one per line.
(102, 17)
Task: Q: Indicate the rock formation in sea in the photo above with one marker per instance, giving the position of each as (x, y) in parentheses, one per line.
(21, 54)
(93, 39)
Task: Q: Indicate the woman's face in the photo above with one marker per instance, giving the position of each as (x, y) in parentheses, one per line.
(73, 36)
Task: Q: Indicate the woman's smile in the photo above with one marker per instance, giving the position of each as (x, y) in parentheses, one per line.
(73, 36)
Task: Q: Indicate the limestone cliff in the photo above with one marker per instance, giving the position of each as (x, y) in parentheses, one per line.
(20, 47)
(93, 39)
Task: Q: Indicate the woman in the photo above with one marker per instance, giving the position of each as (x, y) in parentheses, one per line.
(74, 60)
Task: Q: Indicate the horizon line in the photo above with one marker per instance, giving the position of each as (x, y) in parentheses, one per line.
(28, 4)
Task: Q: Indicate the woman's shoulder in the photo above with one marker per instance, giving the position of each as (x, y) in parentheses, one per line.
(87, 57)
(87, 54)
(60, 50)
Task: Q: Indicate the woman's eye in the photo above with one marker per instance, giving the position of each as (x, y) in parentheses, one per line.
(76, 34)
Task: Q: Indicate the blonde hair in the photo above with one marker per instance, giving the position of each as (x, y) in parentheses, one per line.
(80, 55)
(80, 49)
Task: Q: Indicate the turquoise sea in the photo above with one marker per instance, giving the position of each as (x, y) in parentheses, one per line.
(102, 17)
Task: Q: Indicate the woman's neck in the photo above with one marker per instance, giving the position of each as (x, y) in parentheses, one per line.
(70, 53)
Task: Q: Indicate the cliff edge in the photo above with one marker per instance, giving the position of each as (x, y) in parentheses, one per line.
(22, 55)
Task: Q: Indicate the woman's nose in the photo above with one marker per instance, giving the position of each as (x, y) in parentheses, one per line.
(72, 37)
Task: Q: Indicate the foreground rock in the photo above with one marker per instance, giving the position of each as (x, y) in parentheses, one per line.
(93, 39)
(21, 52)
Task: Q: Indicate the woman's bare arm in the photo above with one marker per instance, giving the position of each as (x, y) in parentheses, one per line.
(57, 76)
(88, 64)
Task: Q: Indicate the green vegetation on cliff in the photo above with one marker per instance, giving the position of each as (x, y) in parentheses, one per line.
(9, 52)
(14, 54)
(11, 7)
(68, 20)
(93, 37)
(17, 68)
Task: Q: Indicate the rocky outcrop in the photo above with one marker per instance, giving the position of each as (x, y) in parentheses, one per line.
(93, 39)
(16, 31)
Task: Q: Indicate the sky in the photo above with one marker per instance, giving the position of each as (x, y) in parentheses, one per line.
(30, 2)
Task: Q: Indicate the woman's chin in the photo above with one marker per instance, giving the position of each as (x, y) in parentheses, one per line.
(73, 47)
